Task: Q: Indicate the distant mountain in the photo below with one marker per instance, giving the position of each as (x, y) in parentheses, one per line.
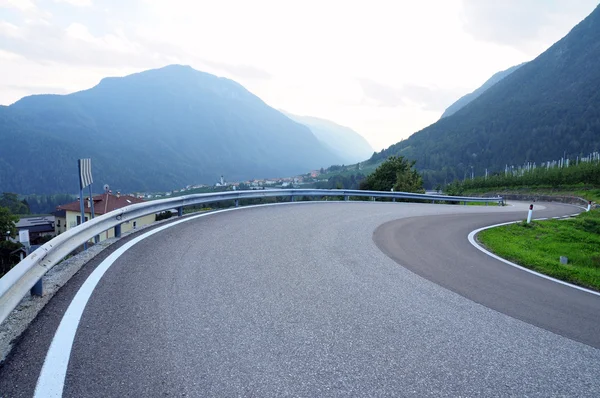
(156, 130)
(464, 100)
(547, 107)
(346, 143)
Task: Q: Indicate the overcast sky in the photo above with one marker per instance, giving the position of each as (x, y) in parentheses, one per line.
(386, 68)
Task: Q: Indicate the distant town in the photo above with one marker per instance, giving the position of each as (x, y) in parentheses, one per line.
(222, 184)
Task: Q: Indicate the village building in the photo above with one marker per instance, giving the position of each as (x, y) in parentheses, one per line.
(68, 216)
(38, 227)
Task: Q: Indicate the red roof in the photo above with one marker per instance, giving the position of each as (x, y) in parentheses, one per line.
(102, 203)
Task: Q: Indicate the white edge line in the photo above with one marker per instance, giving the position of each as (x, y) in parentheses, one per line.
(479, 247)
(50, 383)
(51, 380)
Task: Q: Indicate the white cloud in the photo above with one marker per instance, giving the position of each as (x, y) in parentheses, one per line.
(20, 77)
(8, 29)
(20, 5)
(8, 56)
(428, 98)
(26, 8)
(531, 25)
(40, 41)
(243, 71)
(76, 3)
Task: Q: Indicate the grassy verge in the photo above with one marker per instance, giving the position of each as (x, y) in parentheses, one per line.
(539, 245)
(482, 204)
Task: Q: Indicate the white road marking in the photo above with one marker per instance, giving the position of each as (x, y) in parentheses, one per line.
(474, 243)
(51, 381)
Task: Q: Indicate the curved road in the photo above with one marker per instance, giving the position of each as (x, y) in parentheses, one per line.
(299, 300)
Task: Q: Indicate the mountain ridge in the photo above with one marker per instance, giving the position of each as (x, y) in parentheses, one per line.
(467, 98)
(155, 130)
(546, 107)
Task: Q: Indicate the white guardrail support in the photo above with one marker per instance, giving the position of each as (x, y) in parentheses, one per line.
(18, 282)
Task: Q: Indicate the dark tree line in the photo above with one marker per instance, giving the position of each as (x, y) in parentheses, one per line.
(13, 204)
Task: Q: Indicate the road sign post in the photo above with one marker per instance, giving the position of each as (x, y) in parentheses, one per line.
(86, 180)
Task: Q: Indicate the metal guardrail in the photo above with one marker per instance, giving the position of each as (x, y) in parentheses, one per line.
(17, 283)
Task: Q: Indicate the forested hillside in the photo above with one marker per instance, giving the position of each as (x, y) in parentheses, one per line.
(547, 107)
(156, 130)
(466, 99)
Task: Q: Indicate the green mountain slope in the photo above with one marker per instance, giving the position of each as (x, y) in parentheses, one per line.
(464, 100)
(346, 143)
(549, 106)
(156, 130)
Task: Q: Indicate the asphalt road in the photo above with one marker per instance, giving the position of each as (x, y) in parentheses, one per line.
(454, 265)
(298, 300)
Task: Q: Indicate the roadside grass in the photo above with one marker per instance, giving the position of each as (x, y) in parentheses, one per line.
(539, 245)
(482, 204)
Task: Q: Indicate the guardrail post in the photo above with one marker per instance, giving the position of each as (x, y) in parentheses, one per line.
(38, 289)
(237, 203)
(433, 201)
(118, 231)
(293, 198)
(346, 198)
(180, 211)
